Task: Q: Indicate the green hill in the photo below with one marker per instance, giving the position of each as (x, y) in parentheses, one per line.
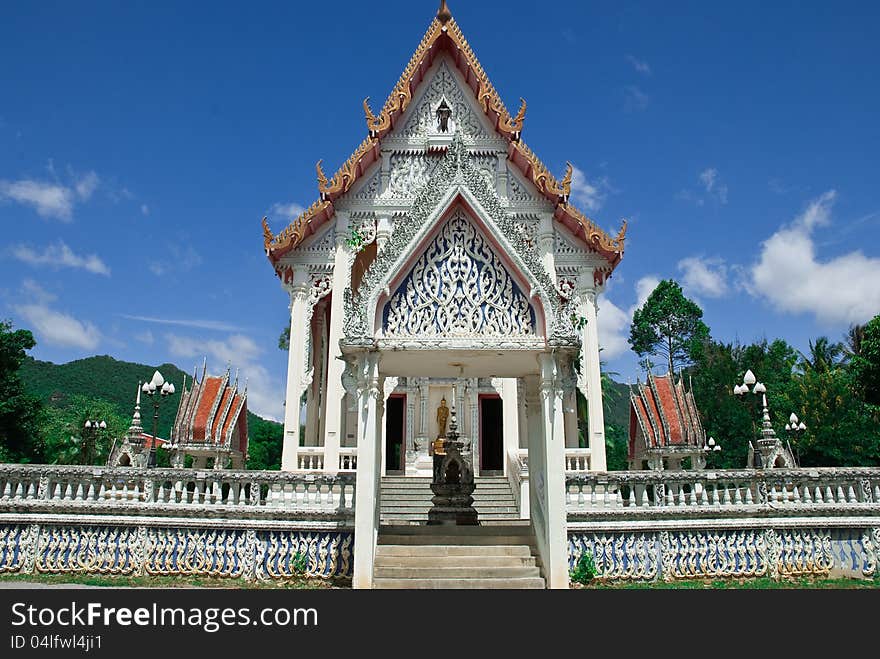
(114, 381)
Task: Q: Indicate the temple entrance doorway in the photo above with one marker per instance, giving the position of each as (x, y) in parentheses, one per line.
(491, 435)
(395, 433)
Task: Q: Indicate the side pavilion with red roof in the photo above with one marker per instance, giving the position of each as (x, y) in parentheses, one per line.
(443, 261)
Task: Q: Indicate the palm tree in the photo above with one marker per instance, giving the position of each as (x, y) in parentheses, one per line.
(853, 340)
(824, 356)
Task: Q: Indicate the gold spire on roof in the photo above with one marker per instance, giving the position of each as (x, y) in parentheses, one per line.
(443, 14)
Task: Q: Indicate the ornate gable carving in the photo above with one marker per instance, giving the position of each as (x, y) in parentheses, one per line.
(459, 287)
(444, 84)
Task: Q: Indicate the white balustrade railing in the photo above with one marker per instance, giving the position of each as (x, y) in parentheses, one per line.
(310, 458)
(84, 487)
(518, 477)
(577, 459)
(636, 491)
(348, 459)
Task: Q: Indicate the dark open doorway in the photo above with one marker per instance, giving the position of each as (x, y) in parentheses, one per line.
(491, 434)
(395, 432)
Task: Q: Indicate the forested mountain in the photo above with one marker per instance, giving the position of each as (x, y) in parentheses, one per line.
(108, 379)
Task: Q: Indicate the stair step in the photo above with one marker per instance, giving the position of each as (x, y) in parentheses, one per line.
(455, 540)
(455, 572)
(516, 583)
(465, 560)
(459, 551)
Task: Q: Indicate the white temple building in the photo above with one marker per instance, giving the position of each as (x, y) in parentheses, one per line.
(444, 262)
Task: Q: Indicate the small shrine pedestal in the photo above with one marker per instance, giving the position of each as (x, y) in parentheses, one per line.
(452, 484)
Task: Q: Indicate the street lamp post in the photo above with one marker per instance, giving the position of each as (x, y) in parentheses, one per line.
(711, 447)
(157, 389)
(795, 428)
(759, 389)
(91, 428)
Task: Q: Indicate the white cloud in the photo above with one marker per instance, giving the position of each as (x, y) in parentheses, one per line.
(58, 256)
(614, 322)
(145, 337)
(713, 186)
(51, 326)
(789, 274)
(216, 325)
(87, 185)
(707, 277)
(589, 196)
(145, 210)
(634, 99)
(639, 65)
(265, 393)
(286, 211)
(50, 199)
(644, 287)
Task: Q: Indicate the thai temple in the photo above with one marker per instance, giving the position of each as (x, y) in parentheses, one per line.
(443, 339)
(442, 268)
(211, 424)
(665, 431)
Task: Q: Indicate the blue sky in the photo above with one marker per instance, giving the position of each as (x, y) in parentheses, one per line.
(141, 144)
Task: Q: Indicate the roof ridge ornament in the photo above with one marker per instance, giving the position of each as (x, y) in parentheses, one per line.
(443, 13)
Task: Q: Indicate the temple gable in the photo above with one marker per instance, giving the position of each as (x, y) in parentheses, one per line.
(459, 287)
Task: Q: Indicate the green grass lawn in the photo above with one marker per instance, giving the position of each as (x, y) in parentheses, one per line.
(175, 581)
(762, 583)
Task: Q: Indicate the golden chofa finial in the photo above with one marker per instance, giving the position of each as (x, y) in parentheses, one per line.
(443, 14)
(322, 179)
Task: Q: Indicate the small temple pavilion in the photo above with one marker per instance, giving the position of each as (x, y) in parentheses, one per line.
(211, 424)
(664, 426)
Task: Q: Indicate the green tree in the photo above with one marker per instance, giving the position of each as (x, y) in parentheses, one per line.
(284, 338)
(20, 413)
(824, 355)
(670, 326)
(840, 429)
(264, 443)
(731, 420)
(65, 439)
(865, 366)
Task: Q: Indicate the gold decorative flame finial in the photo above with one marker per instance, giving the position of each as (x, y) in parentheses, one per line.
(267, 234)
(443, 14)
(371, 118)
(322, 179)
(566, 180)
(622, 233)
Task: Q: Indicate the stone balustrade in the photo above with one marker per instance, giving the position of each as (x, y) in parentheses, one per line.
(125, 490)
(348, 459)
(711, 492)
(310, 458)
(577, 459)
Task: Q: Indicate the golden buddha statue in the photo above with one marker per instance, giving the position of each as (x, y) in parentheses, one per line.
(442, 417)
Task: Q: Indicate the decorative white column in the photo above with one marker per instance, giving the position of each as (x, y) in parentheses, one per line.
(313, 398)
(549, 482)
(473, 400)
(298, 374)
(366, 504)
(590, 377)
(334, 407)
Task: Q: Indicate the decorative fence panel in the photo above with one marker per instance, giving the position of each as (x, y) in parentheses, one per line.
(124, 521)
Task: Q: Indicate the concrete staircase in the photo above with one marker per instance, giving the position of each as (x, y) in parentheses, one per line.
(406, 500)
(413, 556)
